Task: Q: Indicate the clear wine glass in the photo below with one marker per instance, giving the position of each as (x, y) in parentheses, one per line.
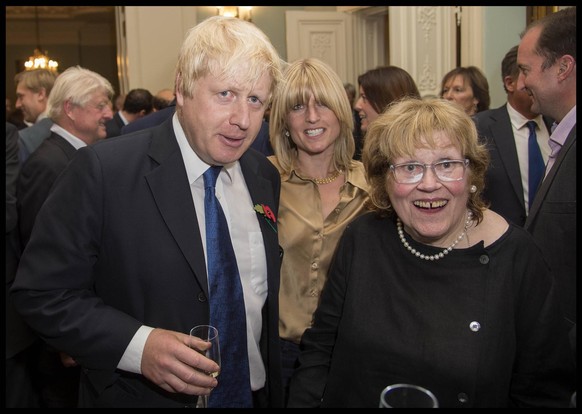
(407, 396)
(209, 334)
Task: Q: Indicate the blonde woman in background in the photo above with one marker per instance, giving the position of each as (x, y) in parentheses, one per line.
(322, 189)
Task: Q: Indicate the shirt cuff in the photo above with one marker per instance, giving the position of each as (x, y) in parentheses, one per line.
(131, 359)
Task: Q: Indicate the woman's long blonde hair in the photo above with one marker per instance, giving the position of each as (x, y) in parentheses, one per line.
(301, 79)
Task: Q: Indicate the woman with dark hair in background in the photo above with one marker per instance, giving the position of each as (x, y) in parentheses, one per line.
(379, 87)
(468, 87)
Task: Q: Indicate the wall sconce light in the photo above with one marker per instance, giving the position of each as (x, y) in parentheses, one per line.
(241, 12)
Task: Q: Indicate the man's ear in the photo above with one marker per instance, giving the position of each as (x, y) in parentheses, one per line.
(510, 83)
(42, 94)
(566, 65)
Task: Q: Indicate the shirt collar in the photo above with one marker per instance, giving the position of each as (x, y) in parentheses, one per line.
(70, 138)
(562, 130)
(519, 121)
(123, 119)
(357, 180)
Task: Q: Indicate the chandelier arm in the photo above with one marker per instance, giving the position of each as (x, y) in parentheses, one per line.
(37, 28)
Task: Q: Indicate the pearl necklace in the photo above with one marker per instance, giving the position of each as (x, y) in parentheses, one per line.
(438, 255)
(328, 179)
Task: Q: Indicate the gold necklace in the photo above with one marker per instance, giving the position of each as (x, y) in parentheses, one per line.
(328, 179)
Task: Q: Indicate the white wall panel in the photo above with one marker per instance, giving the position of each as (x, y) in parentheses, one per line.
(324, 35)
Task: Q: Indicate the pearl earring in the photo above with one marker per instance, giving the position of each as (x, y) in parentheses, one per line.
(473, 189)
(287, 134)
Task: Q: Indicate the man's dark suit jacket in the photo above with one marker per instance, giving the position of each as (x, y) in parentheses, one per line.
(552, 222)
(21, 342)
(37, 176)
(261, 143)
(114, 125)
(116, 246)
(503, 187)
(18, 334)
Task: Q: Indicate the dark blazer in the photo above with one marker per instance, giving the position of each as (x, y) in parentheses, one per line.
(552, 222)
(21, 342)
(150, 120)
(118, 236)
(12, 171)
(18, 334)
(503, 187)
(37, 176)
(114, 125)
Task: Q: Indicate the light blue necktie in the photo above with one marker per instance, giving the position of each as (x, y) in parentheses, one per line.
(536, 162)
(227, 308)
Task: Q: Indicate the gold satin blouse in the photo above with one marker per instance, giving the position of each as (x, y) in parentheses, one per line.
(309, 241)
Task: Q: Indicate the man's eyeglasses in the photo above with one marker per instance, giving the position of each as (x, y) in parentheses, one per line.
(412, 172)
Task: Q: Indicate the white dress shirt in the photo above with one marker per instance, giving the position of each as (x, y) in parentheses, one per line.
(521, 135)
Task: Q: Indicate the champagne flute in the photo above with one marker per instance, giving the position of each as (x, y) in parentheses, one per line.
(209, 334)
(407, 396)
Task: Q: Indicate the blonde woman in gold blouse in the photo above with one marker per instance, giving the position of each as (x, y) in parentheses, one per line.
(322, 189)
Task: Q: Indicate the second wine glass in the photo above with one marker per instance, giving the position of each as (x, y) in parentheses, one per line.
(208, 333)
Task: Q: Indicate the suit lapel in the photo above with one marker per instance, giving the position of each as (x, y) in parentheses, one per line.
(169, 185)
(500, 130)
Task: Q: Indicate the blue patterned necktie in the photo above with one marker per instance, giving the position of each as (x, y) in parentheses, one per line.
(227, 308)
(536, 162)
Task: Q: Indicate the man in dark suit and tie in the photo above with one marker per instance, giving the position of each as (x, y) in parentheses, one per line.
(505, 132)
(547, 61)
(115, 272)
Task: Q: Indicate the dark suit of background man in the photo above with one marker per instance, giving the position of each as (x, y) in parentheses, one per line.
(115, 271)
(21, 343)
(73, 126)
(547, 61)
(137, 104)
(505, 132)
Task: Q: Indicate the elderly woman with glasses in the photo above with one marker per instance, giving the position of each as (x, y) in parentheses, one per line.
(431, 288)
